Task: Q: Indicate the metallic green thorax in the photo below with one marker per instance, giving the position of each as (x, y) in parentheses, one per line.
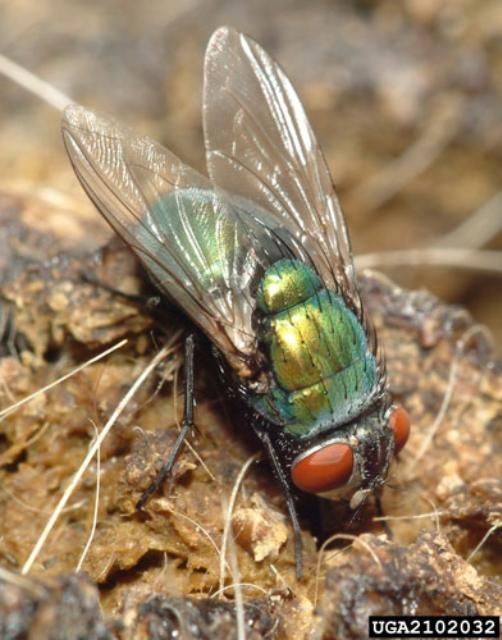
(322, 370)
(194, 223)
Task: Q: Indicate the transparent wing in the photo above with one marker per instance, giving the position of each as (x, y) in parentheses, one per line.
(202, 250)
(260, 145)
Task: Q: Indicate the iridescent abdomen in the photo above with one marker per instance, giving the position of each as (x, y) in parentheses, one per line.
(322, 372)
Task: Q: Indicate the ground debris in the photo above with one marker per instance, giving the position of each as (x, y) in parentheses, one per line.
(381, 82)
(66, 607)
(176, 540)
(260, 529)
(424, 578)
(162, 618)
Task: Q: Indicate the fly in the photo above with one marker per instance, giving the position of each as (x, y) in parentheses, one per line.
(258, 256)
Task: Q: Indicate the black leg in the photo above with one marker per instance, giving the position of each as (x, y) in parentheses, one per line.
(150, 302)
(7, 330)
(186, 425)
(265, 438)
(12, 343)
(380, 512)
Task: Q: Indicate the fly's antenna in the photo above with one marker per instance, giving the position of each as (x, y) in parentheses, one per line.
(34, 84)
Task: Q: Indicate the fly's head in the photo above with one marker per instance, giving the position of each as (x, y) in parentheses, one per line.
(353, 461)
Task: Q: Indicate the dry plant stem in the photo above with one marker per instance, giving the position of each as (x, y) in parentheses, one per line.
(198, 527)
(37, 433)
(244, 585)
(20, 403)
(418, 516)
(239, 601)
(280, 578)
(161, 577)
(228, 517)
(21, 582)
(490, 531)
(339, 536)
(96, 504)
(479, 228)
(28, 507)
(48, 92)
(417, 158)
(434, 510)
(467, 259)
(92, 452)
(35, 85)
(452, 379)
(193, 451)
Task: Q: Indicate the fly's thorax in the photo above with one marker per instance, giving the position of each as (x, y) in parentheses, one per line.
(285, 284)
(322, 373)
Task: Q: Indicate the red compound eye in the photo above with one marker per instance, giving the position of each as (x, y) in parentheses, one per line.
(399, 422)
(325, 469)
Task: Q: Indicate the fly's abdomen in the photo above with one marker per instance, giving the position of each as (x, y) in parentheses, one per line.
(321, 368)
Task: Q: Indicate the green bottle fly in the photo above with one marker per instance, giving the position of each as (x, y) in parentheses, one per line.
(258, 256)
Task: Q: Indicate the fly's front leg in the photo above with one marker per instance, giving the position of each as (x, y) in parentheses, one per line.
(290, 501)
(186, 425)
(381, 514)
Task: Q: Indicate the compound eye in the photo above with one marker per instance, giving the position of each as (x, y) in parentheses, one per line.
(399, 422)
(324, 469)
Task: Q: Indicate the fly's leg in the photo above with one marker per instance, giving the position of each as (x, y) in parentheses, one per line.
(7, 330)
(290, 502)
(150, 302)
(381, 514)
(186, 425)
(12, 343)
